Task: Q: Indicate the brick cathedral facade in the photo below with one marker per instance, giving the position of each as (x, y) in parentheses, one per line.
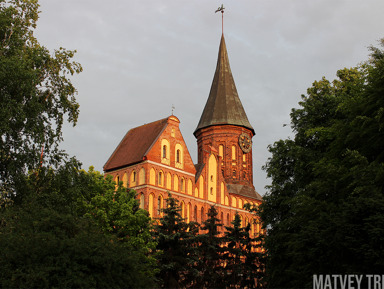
(154, 160)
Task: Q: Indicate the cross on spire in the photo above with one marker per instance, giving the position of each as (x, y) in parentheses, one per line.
(221, 9)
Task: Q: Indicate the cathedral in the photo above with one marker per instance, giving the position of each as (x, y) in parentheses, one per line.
(154, 160)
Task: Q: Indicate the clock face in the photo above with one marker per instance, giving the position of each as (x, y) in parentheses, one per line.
(245, 143)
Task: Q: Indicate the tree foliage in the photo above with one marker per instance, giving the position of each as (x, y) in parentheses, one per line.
(73, 229)
(175, 243)
(324, 209)
(35, 94)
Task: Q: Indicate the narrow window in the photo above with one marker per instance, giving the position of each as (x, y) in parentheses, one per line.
(178, 156)
(159, 205)
(142, 201)
(164, 151)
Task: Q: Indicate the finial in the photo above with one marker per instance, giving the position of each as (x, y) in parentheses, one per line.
(221, 9)
(173, 108)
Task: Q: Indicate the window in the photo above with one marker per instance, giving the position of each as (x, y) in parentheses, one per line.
(202, 214)
(221, 150)
(141, 176)
(160, 179)
(178, 156)
(195, 214)
(182, 185)
(141, 201)
(132, 181)
(164, 151)
(182, 210)
(150, 205)
(159, 205)
(233, 153)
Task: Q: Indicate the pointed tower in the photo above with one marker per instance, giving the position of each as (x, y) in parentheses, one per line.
(224, 130)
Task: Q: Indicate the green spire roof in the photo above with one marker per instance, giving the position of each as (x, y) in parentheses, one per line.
(223, 105)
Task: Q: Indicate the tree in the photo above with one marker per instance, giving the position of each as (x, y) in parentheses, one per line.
(175, 243)
(324, 210)
(209, 266)
(35, 95)
(58, 236)
(244, 263)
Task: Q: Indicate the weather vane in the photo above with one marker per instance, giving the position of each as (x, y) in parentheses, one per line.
(221, 9)
(173, 108)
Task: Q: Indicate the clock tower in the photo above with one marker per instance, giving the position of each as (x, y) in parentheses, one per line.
(225, 132)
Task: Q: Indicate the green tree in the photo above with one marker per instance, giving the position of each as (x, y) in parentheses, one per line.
(176, 244)
(35, 95)
(244, 264)
(56, 238)
(210, 268)
(324, 210)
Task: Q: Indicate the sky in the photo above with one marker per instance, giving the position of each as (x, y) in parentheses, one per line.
(141, 57)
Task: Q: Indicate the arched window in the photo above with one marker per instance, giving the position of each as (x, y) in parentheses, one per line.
(222, 217)
(175, 183)
(160, 179)
(240, 203)
(189, 211)
(150, 205)
(233, 153)
(152, 177)
(189, 187)
(202, 217)
(169, 181)
(141, 201)
(182, 185)
(164, 151)
(125, 180)
(221, 150)
(160, 205)
(234, 201)
(182, 205)
(178, 156)
(132, 181)
(195, 214)
(141, 176)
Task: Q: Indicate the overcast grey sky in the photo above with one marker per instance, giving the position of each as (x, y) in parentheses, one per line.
(142, 56)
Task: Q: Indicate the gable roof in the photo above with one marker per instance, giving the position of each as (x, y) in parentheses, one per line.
(243, 190)
(223, 105)
(135, 145)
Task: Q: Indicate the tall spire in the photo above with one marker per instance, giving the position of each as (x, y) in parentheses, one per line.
(223, 105)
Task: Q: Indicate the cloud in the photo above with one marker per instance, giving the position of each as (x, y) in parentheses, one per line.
(142, 57)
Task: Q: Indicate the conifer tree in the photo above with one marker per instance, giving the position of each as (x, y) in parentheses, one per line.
(175, 244)
(210, 263)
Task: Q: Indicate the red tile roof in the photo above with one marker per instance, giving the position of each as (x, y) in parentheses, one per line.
(135, 145)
